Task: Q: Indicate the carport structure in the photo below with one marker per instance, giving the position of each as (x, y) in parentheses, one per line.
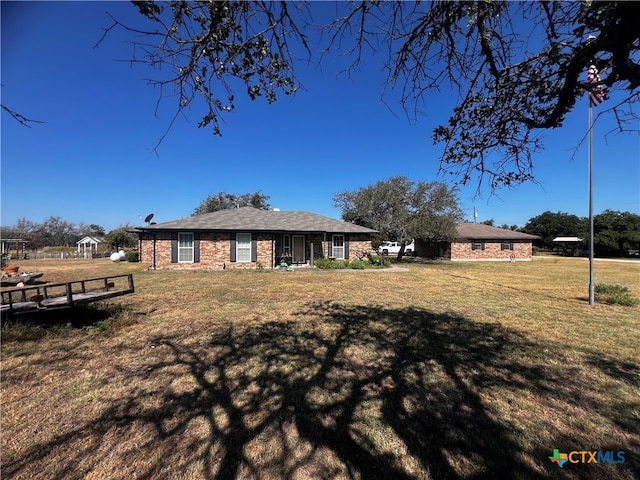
(568, 244)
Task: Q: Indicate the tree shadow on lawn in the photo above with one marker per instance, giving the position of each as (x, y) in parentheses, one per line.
(81, 316)
(344, 392)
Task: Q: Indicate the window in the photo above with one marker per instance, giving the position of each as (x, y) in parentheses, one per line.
(286, 245)
(477, 245)
(338, 246)
(507, 244)
(185, 248)
(243, 247)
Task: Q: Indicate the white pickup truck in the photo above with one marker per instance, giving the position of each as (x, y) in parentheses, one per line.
(393, 248)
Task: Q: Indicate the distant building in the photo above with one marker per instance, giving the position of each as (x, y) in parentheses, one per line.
(17, 245)
(569, 245)
(88, 246)
(477, 241)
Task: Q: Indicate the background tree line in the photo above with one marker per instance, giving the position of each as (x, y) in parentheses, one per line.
(397, 207)
(614, 233)
(57, 232)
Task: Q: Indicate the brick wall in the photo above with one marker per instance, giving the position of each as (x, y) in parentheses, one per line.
(214, 251)
(492, 251)
(266, 250)
(359, 244)
(462, 250)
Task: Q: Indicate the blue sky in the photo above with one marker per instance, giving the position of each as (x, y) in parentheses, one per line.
(92, 161)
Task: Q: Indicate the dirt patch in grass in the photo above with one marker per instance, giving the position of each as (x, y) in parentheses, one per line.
(441, 371)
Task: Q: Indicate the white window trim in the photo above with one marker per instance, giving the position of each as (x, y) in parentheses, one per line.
(192, 247)
(342, 248)
(238, 249)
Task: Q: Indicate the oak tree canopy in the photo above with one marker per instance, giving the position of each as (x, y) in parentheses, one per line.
(225, 201)
(403, 210)
(516, 68)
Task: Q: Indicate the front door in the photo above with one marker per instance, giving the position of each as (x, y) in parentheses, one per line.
(298, 249)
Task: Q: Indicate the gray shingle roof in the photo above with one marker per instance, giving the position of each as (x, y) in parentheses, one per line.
(482, 231)
(255, 220)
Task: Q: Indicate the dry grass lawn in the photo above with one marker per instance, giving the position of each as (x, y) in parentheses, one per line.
(447, 370)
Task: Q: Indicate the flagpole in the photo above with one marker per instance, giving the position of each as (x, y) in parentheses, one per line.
(596, 95)
(590, 180)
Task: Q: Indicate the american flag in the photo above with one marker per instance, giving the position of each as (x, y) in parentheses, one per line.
(597, 93)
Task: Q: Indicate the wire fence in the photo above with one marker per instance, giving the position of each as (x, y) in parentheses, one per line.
(56, 255)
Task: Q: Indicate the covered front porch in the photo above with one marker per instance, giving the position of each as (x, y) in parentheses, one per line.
(298, 249)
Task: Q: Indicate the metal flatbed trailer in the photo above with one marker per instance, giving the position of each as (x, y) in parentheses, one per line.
(53, 296)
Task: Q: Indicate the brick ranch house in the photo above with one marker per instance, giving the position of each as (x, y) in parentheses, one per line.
(247, 238)
(476, 241)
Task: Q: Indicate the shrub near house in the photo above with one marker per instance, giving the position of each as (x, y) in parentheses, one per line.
(371, 261)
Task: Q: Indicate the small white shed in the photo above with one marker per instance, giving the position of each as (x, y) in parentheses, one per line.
(88, 245)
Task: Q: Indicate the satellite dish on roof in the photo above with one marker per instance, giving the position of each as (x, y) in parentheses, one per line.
(148, 218)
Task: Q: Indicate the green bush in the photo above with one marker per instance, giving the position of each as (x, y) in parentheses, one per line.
(328, 263)
(132, 256)
(359, 264)
(374, 261)
(614, 295)
(321, 263)
(378, 261)
(340, 264)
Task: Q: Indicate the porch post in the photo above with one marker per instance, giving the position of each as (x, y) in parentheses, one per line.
(311, 255)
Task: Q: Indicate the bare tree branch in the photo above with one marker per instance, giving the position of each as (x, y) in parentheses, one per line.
(208, 50)
(20, 118)
(516, 68)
